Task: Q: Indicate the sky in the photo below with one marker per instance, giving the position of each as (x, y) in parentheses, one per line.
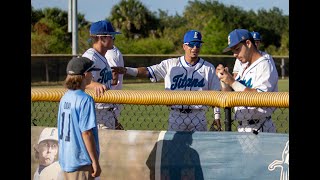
(95, 10)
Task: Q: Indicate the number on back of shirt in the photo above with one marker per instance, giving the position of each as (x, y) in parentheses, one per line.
(65, 117)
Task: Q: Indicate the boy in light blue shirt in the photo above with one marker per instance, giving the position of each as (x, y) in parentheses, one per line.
(77, 126)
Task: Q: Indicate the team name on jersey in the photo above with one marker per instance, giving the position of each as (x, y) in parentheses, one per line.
(105, 76)
(246, 83)
(182, 82)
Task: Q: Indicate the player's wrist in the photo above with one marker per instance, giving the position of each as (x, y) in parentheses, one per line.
(132, 71)
(237, 86)
(224, 85)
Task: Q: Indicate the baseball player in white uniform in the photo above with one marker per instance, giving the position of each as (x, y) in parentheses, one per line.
(257, 39)
(185, 73)
(115, 59)
(258, 76)
(46, 151)
(102, 35)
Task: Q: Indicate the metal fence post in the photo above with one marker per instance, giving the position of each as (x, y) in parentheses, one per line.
(282, 68)
(47, 72)
(227, 121)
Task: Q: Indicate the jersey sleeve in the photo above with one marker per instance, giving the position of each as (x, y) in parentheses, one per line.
(158, 71)
(265, 80)
(111, 57)
(114, 57)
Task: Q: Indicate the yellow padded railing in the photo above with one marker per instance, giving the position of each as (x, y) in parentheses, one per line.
(163, 97)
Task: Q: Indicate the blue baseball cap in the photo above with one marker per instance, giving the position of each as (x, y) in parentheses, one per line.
(103, 27)
(256, 36)
(192, 36)
(236, 36)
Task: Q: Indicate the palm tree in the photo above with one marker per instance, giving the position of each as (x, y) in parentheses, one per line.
(133, 19)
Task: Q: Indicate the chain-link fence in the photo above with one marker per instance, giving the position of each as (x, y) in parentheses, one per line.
(156, 117)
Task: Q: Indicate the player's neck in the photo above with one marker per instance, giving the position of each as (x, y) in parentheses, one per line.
(84, 84)
(102, 51)
(191, 60)
(254, 57)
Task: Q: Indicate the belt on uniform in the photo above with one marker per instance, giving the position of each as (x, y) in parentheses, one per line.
(251, 121)
(183, 110)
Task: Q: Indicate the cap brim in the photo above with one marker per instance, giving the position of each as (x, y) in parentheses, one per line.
(197, 41)
(109, 33)
(47, 139)
(226, 50)
(114, 33)
(93, 69)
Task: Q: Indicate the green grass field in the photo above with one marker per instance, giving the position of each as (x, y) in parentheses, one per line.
(155, 117)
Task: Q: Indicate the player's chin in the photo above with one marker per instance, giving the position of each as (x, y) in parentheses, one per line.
(195, 54)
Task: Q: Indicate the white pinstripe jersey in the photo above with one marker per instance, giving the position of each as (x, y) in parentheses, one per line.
(104, 76)
(260, 75)
(115, 58)
(238, 64)
(179, 76)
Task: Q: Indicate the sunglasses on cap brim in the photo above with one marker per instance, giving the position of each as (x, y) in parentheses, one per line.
(108, 35)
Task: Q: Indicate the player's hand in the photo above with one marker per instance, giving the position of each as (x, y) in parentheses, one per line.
(219, 69)
(115, 78)
(119, 70)
(98, 88)
(96, 170)
(224, 75)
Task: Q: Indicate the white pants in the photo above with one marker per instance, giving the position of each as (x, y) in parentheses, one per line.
(194, 121)
(106, 117)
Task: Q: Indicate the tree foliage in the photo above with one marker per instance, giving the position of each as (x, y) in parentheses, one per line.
(214, 36)
(146, 32)
(133, 19)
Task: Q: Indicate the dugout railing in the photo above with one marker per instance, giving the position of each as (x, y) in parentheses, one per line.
(149, 110)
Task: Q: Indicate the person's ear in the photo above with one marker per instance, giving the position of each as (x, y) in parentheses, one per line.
(248, 43)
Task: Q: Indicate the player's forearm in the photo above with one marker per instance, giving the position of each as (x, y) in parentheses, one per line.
(225, 87)
(138, 72)
(90, 144)
(97, 86)
(217, 117)
(115, 77)
(218, 124)
(92, 85)
(237, 86)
